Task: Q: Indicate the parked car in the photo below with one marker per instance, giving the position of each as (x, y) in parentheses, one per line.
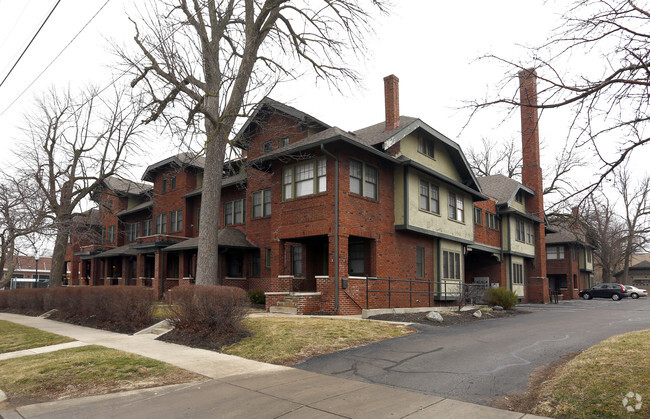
(613, 291)
(635, 292)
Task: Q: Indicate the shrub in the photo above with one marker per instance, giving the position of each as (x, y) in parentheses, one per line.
(501, 297)
(117, 308)
(257, 296)
(209, 314)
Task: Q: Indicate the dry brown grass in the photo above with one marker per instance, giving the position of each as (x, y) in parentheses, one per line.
(288, 340)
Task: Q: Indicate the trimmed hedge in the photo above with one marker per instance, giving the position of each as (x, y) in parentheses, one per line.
(118, 308)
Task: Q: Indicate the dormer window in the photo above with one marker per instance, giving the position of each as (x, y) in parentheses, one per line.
(520, 196)
(425, 146)
(267, 146)
(284, 141)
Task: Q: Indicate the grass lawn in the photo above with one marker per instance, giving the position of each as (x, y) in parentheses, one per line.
(595, 382)
(83, 371)
(287, 340)
(17, 338)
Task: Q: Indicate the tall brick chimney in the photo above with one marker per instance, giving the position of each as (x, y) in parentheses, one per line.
(391, 99)
(531, 176)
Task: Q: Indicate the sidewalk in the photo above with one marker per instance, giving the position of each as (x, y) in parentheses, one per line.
(237, 388)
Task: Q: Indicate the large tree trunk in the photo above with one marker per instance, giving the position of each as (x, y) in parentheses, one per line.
(207, 269)
(58, 257)
(8, 259)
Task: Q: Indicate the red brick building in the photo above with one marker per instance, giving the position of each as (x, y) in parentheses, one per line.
(569, 257)
(29, 272)
(322, 219)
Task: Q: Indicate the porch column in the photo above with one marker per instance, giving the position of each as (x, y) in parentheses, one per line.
(124, 278)
(140, 258)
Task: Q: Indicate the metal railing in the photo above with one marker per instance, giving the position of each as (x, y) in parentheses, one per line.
(426, 292)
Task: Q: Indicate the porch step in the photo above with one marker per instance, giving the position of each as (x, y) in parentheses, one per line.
(283, 309)
(286, 303)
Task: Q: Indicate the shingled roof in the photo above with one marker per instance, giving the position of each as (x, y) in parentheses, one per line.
(125, 186)
(180, 160)
(228, 237)
(501, 188)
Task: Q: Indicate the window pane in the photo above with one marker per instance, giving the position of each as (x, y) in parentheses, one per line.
(238, 212)
(288, 179)
(435, 203)
(356, 169)
(355, 185)
(228, 213)
(371, 183)
(257, 204)
(267, 202)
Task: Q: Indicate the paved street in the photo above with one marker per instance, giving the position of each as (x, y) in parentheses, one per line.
(484, 360)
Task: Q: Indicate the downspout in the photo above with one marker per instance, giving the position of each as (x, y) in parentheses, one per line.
(336, 226)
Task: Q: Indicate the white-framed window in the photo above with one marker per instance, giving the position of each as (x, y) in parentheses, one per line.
(530, 233)
(520, 231)
(111, 234)
(233, 212)
(304, 179)
(419, 262)
(146, 228)
(456, 207)
(161, 223)
(425, 146)
(262, 203)
(451, 266)
(554, 252)
(284, 141)
(132, 231)
(176, 220)
(517, 274)
(356, 259)
(491, 220)
(478, 216)
(364, 179)
(429, 197)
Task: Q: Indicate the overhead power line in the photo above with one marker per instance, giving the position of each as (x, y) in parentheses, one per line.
(55, 58)
(30, 43)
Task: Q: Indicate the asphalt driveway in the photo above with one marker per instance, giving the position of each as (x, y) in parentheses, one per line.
(485, 360)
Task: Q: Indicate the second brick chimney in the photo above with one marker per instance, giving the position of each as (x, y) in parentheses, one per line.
(531, 176)
(391, 98)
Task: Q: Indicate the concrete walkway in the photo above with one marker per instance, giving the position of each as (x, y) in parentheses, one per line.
(236, 388)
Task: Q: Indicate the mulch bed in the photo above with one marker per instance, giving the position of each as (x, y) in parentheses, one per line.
(202, 340)
(452, 318)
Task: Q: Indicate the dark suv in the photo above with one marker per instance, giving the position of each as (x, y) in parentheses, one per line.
(613, 291)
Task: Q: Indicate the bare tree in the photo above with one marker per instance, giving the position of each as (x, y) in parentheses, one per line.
(636, 216)
(491, 159)
(211, 58)
(607, 95)
(606, 232)
(22, 214)
(73, 144)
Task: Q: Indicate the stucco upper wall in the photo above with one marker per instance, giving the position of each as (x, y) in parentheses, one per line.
(441, 162)
(508, 237)
(439, 223)
(519, 206)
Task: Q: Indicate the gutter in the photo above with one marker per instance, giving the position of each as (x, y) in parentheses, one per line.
(336, 226)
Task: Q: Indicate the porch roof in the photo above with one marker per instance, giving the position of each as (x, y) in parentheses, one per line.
(126, 250)
(228, 237)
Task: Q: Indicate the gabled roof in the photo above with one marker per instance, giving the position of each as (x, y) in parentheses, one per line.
(268, 106)
(123, 187)
(502, 188)
(180, 160)
(567, 232)
(376, 135)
